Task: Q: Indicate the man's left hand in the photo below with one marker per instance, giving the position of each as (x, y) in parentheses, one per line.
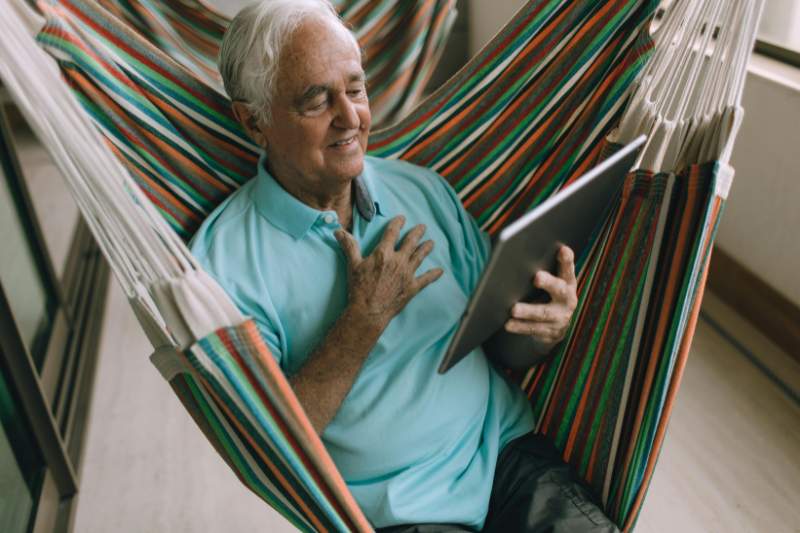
(548, 323)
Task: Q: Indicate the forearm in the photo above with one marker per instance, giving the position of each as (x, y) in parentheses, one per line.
(324, 380)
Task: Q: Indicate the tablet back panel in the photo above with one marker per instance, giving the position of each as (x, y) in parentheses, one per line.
(571, 217)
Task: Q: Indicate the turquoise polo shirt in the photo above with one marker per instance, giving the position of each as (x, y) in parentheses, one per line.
(413, 446)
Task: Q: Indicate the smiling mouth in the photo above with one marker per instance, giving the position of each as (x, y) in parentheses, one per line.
(344, 142)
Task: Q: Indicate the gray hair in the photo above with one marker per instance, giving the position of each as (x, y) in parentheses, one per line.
(251, 47)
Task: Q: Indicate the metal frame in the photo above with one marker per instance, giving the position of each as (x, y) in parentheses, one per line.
(23, 373)
(780, 53)
(54, 396)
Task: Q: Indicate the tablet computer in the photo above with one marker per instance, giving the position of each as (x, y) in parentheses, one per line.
(571, 217)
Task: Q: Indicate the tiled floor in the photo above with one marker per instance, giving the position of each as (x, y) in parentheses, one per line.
(731, 461)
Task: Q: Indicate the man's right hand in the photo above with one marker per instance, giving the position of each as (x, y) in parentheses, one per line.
(381, 284)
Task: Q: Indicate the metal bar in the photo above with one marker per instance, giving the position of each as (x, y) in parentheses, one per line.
(778, 52)
(19, 362)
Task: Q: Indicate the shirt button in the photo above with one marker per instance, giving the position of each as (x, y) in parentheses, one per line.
(329, 219)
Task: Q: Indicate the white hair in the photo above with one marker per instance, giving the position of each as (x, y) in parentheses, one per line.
(251, 47)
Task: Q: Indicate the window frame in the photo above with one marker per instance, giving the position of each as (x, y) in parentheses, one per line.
(780, 53)
(54, 393)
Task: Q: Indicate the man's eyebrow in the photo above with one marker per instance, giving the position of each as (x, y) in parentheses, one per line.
(315, 90)
(311, 93)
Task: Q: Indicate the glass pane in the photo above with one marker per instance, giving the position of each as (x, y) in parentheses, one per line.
(55, 210)
(780, 24)
(20, 275)
(21, 466)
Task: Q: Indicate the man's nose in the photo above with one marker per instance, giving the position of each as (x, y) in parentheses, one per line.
(346, 114)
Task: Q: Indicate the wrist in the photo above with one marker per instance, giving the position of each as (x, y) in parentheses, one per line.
(367, 325)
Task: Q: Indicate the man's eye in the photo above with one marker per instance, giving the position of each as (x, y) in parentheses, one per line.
(317, 106)
(357, 92)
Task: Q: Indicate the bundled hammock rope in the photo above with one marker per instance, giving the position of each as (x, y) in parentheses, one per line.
(403, 41)
(524, 118)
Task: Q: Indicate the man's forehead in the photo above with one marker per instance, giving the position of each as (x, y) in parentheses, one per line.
(319, 53)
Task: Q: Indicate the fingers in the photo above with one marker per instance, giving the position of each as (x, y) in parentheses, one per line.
(427, 278)
(557, 288)
(543, 332)
(411, 239)
(392, 232)
(420, 254)
(536, 312)
(566, 265)
(349, 246)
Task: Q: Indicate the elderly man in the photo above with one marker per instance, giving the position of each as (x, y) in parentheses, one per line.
(359, 311)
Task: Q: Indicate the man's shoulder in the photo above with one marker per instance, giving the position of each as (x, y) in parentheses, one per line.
(223, 224)
(403, 177)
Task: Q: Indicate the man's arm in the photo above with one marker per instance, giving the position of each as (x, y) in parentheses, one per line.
(379, 286)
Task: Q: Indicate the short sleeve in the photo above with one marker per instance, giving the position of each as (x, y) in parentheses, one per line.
(469, 245)
(218, 265)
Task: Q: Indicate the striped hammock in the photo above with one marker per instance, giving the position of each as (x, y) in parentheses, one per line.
(523, 119)
(402, 41)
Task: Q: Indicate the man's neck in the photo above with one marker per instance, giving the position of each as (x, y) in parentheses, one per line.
(340, 201)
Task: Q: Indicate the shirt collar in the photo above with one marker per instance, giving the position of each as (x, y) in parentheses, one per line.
(294, 217)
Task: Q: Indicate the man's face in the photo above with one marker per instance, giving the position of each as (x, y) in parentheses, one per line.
(317, 137)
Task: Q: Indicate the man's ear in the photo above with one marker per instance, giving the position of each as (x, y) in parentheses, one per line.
(249, 122)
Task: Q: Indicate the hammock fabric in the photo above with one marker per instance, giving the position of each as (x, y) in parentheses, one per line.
(524, 118)
(401, 40)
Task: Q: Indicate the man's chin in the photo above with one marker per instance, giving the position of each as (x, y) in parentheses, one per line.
(350, 170)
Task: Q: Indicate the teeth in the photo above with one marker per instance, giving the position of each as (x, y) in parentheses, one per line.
(346, 141)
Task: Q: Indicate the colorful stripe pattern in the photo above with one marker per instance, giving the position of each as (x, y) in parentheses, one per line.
(239, 397)
(521, 120)
(176, 134)
(606, 396)
(402, 41)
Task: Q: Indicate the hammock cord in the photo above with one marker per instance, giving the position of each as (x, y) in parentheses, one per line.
(155, 268)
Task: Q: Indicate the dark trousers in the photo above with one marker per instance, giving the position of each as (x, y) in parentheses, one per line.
(533, 491)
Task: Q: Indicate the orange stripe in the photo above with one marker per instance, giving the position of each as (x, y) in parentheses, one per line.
(175, 115)
(231, 419)
(583, 318)
(677, 376)
(224, 335)
(546, 165)
(589, 380)
(456, 120)
(668, 293)
(90, 90)
(317, 450)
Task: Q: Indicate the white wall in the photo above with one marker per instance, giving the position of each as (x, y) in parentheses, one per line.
(761, 224)
(486, 19)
